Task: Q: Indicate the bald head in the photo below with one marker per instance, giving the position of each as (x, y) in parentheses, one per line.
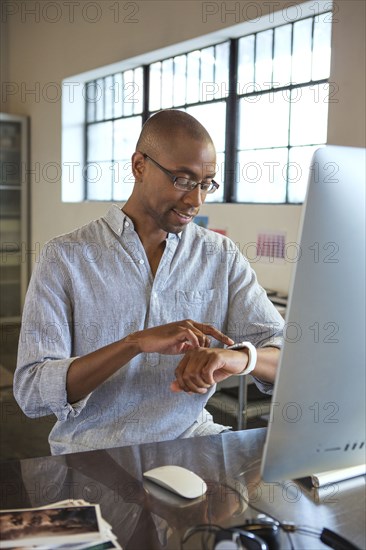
(164, 127)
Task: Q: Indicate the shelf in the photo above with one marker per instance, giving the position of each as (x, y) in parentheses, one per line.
(15, 319)
(9, 250)
(10, 187)
(224, 409)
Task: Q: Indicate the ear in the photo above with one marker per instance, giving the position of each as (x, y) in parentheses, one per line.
(138, 165)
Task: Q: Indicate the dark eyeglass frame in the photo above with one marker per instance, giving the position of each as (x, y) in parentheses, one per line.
(189, 185)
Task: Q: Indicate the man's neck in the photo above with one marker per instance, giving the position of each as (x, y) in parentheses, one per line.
(150, 237)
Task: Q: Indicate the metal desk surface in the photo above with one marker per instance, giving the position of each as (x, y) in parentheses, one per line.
(147, 517)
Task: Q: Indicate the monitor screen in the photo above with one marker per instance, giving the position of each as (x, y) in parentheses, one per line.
(317, 420)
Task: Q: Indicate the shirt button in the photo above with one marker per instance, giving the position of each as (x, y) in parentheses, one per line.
(141, 262)
(127, 224)
(155, 294)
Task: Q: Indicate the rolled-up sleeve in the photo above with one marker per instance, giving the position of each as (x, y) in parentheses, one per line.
(252, 316)
(275, 342)
(45, 349)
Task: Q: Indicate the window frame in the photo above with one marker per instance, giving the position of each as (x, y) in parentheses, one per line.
(232, 99)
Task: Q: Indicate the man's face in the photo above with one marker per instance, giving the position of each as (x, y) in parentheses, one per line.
(170, 208)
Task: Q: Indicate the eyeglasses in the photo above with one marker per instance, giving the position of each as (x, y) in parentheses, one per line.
(185, 184)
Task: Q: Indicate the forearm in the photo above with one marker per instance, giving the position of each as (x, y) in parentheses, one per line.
(86, 373)
(267, 363)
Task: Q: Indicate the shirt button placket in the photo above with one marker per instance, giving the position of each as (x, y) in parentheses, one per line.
(153, 358)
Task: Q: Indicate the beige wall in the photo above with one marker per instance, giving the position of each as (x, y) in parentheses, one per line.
(41, 53)
(347, 110)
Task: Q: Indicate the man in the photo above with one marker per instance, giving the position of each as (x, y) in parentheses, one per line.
(100, 335)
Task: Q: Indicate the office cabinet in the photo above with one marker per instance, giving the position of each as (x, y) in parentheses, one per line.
(14, 233)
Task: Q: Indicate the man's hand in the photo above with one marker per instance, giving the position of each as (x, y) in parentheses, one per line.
(176, 338)
(201, 368)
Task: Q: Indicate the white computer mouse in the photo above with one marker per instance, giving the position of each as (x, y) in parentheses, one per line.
(179, 480)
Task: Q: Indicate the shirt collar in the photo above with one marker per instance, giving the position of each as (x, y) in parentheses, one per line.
(120, 223)
(117, 220)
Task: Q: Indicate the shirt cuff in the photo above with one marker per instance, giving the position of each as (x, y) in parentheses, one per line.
(53, 389)
(275, 342)
(266, 387)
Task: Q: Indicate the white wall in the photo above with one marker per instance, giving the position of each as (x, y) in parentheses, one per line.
(50, 44)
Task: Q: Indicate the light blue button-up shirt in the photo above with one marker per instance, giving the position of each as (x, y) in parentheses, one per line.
(94, 286)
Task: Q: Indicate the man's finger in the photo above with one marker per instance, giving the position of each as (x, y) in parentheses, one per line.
(188, 336)
(174, 386)
(189, 373)
(212, 331)
(184, 383)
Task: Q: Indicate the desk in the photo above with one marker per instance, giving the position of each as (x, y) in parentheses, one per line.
(149, 518)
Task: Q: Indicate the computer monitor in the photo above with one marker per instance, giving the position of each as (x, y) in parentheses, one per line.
(317, 419)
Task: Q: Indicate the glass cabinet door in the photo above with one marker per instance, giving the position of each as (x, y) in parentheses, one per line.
(13, 230)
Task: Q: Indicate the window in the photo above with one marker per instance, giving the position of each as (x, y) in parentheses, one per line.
(283, 111)
(113, 123)
(263, 97)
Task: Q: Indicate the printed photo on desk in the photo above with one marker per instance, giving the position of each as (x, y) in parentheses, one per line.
(75, 525)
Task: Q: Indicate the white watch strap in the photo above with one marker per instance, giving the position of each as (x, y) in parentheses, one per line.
(252, 352)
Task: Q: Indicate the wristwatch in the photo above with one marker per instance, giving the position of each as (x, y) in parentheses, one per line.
(252, 352)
